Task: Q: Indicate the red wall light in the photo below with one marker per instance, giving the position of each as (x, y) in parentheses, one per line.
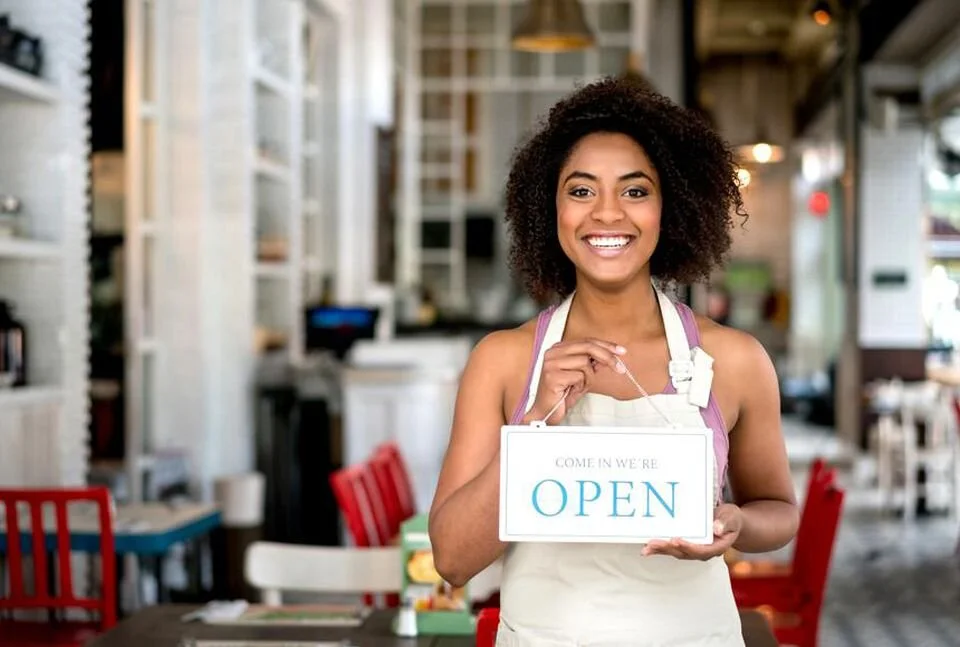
(819, 203)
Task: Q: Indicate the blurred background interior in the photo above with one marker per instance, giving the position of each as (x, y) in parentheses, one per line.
(246, 245)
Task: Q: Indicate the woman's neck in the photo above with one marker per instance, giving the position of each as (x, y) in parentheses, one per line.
(622, 316)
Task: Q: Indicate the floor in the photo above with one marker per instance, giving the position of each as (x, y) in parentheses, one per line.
(892, 583)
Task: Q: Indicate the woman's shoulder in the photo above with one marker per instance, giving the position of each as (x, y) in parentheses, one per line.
(507, 349)
(735, 352)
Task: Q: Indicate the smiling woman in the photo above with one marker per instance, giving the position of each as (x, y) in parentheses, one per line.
(618, 192)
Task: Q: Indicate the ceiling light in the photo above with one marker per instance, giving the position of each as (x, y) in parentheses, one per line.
(761, 153)
(821, 13)
(553, 26)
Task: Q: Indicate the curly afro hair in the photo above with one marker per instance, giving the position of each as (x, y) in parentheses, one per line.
(698, 176)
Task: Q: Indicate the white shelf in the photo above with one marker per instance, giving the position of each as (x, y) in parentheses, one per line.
(272, 270)
(271, 81)
(20, 86)
(28, 396)
(25, 249)
(437, 257)
(266, 167)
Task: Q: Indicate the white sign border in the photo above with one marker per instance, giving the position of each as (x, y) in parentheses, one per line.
(710, 468)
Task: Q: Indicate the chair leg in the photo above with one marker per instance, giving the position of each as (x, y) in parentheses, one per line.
(910, 467)
(885, 433)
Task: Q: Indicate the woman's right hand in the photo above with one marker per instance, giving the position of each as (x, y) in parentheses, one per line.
(569, 367)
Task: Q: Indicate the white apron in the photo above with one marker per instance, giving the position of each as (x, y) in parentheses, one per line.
(609, 595)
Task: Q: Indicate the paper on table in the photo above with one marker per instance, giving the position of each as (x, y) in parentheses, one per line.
(218, 611)
(264, 643)
(317, 615)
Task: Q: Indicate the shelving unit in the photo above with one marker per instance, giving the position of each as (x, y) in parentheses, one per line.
(276, 86)
(26, 249)
(20, 86)
(228, 205)
(44, 163)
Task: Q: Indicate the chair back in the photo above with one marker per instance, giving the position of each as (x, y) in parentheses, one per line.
(353, 498)
(274, 568)
(813, 566)
(401, 478)
(381, 519)
(380, 466)
(821, 478)
(36, 524)
(488, 620)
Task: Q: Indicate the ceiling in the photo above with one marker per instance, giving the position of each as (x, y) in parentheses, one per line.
(931, 23)
(782, 28)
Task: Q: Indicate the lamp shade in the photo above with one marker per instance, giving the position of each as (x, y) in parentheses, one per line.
(553, 26)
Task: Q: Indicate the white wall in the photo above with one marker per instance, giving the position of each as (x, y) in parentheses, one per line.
(891, 238)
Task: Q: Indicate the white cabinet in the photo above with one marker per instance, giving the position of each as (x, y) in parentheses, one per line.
(403, 391)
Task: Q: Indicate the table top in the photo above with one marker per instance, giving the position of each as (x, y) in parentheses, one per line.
(161, 626)
(141, 528)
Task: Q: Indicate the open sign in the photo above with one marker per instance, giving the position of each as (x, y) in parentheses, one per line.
(606, 484)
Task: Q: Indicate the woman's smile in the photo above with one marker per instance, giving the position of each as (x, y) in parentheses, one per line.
(609, 245)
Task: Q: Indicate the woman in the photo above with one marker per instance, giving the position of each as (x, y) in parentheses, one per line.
(619, 188)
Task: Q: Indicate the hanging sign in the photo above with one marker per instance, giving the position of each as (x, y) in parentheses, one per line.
(606, 484)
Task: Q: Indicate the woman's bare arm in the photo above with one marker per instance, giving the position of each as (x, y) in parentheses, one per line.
(759, 471)
(464, 515)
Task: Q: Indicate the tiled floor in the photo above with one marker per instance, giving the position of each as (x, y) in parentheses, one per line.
(892, 583)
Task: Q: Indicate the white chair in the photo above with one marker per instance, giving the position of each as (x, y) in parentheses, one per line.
(274, 568)
(899, 456)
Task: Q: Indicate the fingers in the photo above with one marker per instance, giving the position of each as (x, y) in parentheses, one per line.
(685, 550)
(599, 351)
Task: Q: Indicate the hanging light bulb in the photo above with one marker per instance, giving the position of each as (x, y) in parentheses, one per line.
(761, 152)
(553, 26)
(821, 13)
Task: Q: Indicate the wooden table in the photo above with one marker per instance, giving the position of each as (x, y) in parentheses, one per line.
(161, 627)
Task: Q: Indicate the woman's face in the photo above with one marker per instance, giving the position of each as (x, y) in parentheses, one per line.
(608, 209)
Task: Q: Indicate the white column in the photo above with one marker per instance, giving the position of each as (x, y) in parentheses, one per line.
(891, 239)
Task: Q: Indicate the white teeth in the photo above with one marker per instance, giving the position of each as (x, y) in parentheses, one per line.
(608, 242)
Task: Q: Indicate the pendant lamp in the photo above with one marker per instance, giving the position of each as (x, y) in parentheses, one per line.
(553, 26)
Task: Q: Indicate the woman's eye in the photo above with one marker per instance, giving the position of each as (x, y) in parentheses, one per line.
(636, 192)
(580, 192)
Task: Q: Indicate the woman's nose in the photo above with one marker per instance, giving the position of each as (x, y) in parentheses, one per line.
(608, 209)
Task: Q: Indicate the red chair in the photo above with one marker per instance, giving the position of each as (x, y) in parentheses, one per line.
(487, 622)
(355, 491)
(380, 466)
(401, 478)
(799, 623)
(52, 585)
(758, 582)
(350, 490)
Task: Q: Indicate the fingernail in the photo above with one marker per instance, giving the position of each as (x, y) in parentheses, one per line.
(718, 527)
(621, 368)
(621, 350)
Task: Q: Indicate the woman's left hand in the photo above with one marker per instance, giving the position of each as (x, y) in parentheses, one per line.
(727, 523)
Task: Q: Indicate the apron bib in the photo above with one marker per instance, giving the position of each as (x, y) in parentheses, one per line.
(609, 595)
